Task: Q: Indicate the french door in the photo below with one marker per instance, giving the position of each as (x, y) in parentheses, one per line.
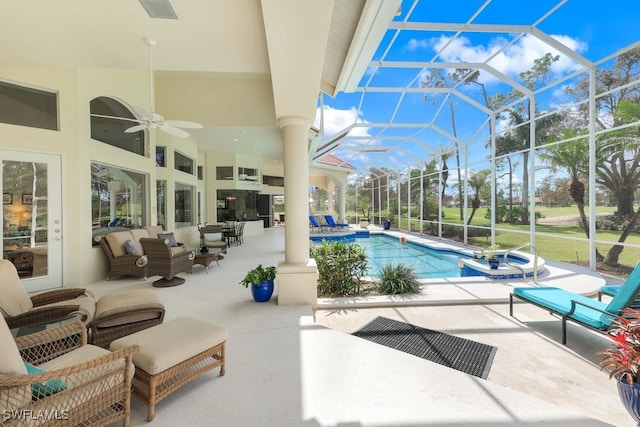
(32, 217)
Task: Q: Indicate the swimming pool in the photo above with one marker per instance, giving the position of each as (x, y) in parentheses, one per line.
(427, 262)
(431, 263)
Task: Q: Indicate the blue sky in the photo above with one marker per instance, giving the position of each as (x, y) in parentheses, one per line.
(593, 29)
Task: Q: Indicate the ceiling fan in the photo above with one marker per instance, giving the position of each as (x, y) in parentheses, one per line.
(148, 119)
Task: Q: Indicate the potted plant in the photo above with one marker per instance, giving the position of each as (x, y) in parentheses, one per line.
(491, 255)
(261, 281)
(622, 359)
(366, 214)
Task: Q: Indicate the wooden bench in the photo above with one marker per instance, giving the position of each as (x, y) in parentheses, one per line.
(171, 355)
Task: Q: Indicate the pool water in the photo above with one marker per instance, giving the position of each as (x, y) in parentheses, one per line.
(428, 263)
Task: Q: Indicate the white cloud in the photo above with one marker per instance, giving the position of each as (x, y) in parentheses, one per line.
(336, 120)
(513, 60)
(415, 44)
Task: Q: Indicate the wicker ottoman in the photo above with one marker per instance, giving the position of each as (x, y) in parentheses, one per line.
(171, 355)
(121, 313)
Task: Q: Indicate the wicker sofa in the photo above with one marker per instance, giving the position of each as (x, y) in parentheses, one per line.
(129, 259)
(69, 381)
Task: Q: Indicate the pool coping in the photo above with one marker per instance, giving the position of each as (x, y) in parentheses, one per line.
(473, 289)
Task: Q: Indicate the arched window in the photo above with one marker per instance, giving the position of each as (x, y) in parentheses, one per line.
(109, 120)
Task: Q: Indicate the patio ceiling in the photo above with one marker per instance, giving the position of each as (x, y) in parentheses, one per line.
(403, 108)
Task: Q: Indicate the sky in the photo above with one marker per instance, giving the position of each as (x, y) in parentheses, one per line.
(591, 29)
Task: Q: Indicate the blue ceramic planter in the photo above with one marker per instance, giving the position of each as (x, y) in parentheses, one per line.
(630, 398)
(262, 292)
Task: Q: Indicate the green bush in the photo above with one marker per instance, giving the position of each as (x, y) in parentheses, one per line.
(398, 279)
(340, 266)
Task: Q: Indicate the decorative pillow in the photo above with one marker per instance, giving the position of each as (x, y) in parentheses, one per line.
(131, 248)
(44, 388)
(172, 239)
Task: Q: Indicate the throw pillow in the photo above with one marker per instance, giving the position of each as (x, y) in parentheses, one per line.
(131, 248)
(45, 388)
(172, 239)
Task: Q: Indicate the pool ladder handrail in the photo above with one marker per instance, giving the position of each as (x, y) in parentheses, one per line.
(535, 260)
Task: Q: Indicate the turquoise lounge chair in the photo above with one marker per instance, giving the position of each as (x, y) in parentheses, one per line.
(333, 224)
(315, 224)
(577, 308)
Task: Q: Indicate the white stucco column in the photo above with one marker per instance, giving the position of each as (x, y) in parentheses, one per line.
(297, 275)
(342, 210)
(296, 183)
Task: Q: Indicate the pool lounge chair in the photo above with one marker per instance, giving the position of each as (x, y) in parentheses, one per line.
(577, 308)
(612, 290)
(333, 224)
(315, 224)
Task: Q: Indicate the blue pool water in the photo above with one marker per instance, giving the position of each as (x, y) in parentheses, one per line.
(428, 263)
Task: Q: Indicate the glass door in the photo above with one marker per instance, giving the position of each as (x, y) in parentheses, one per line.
(32, 213)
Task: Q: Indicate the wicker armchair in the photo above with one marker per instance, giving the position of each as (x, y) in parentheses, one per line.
(19, 309)
(122, 264)
(212, 237)
(166, 261)
(76, 383)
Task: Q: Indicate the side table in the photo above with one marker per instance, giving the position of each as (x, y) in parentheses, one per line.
(204, 259)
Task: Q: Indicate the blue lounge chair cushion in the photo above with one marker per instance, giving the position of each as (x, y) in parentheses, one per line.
(332, 222)
(559, 301)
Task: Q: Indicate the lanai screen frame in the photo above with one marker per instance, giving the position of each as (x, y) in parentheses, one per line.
(352, 145)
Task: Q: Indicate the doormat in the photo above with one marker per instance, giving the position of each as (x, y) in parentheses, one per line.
(464, 355)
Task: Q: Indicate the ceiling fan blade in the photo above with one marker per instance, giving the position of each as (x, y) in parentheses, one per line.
(143, 112)
(184, 124)
(136, 128)
(174, 131)
(116, 118)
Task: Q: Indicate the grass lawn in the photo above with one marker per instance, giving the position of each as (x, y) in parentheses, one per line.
(560, 242)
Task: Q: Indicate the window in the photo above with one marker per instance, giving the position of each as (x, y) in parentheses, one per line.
(273, 181)
(200, 173)
(161, 157)
(224, 172)
(184, 205)
(247, 174)
(26, 106)
(161, 196)
(117, 199)
(237, 205)
(183, 163)
(110, 128)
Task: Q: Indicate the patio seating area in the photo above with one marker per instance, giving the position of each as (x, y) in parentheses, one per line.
(319, 375)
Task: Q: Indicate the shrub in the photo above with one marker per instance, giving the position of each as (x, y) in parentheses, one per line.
(340, 267)
(398, 279)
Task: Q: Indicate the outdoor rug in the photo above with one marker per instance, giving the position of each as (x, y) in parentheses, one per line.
(461, 354)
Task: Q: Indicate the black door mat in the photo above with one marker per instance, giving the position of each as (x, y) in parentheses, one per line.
(464, 355)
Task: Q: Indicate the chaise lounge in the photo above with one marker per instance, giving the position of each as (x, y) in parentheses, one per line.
(580, 309)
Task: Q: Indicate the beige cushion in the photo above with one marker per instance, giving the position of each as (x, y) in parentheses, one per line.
(137, 234)
(14, 299)
(87, 305)
(11, 364)
(123, 303)
(177, 249)
(171, 343)
(153, 230)
(212, 237)
(117, 240)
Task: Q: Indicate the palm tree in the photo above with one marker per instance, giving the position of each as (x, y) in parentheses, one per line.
(478, 181)
(573, 157)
